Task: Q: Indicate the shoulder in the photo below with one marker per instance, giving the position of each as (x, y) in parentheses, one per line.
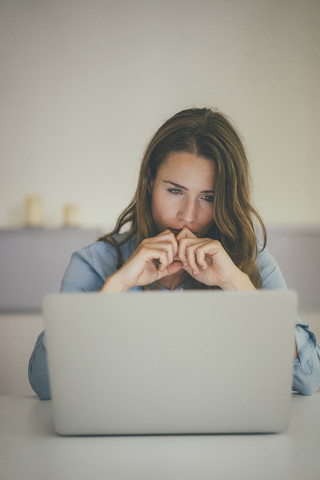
(107, 253)
(269, 269)
(104, 255)
(90, 266)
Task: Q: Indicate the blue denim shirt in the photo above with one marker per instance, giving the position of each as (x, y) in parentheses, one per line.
(87, 272)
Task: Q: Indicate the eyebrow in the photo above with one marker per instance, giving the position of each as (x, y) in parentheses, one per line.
(185, 188)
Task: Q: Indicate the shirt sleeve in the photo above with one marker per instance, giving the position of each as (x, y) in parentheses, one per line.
(38, 369)
(87, 271)
(84, 273)
(306, 368)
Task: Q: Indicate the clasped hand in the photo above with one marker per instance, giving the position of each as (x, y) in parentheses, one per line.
(166, 254)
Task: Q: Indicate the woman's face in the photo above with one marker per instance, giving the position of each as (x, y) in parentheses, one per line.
(182, 193)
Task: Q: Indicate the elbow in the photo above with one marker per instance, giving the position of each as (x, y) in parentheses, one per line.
(42, 393)
(306, 389)
(39, 382)
(38, 372)
(306, 380)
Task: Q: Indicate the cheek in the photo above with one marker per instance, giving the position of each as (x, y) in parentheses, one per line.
(163, 208)
(207, 216)
(157, 206)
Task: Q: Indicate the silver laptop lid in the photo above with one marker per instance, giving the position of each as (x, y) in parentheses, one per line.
(170, 362)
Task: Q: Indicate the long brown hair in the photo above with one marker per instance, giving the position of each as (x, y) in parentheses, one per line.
(209, 134)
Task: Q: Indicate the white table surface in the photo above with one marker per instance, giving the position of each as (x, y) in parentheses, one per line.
(29, 449)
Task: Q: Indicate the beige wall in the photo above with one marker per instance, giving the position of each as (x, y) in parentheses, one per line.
(84, 84)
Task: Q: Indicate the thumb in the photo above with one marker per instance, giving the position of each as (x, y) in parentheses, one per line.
(174, 267)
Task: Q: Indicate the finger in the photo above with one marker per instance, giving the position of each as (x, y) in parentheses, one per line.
(201, 252)
(164, 241)
(196, 252)
(173, 268)
(163, 233)
(185, 233)
(168, 236)
(167, 247)
(192, 261)
(164, 260)
(200, 256)
(184, 244)
(157, 255)
(181, 254)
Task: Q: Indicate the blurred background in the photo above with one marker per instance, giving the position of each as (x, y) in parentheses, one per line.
(84, 84)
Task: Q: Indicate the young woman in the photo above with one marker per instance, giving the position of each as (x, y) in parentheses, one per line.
(190, 225)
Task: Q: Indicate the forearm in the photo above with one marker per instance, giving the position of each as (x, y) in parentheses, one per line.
(241, 281)
(113, 284)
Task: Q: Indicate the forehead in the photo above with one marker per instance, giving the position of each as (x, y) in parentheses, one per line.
(189, 168)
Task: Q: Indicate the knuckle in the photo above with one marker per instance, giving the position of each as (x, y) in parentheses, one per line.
(163, 254)
(191, 247)
(183, 241)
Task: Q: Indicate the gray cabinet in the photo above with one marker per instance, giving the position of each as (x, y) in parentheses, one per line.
(297, 251)
(33, 261)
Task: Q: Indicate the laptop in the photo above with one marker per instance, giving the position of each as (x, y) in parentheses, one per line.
(185, 362)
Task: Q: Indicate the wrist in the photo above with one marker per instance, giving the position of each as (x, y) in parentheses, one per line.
(114, 285)
(240, 282)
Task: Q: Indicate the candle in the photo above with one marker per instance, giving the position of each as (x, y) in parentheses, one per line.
(71, 215)
(34, 211)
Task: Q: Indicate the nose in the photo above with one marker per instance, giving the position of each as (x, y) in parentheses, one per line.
(189, 211)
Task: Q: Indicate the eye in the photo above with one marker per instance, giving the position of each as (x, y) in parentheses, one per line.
(208, 198)
(175, 191)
